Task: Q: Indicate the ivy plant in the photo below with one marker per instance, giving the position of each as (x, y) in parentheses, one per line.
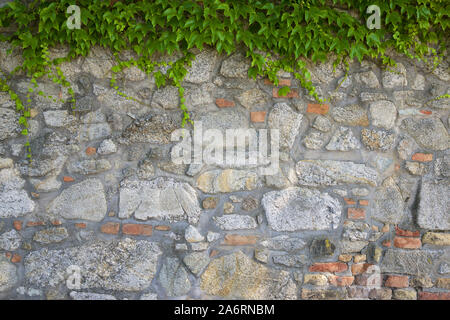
(276, 34)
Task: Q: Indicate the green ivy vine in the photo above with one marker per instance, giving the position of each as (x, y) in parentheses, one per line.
(276, 34)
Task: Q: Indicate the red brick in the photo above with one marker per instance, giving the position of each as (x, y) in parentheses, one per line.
(349, 201)
(35, 223)
(427, 112)
(328, 267)
(317, 108)
(386, 243)
(8, 255)
(339, 281)
(358, 268)
(224, 103)
(364, 203)
(239, 240)
(110, 228)
(407, 243)
(68, 179)
(17, 225)
(292, 94)
(56, 222)
(356, 213)
(397, 282)
(424, 295)
(162, 228)
(281, 82)
(422, 157)
(406, 233)
(258, 116)
(133, 229)
(16, 258)
(91, 151)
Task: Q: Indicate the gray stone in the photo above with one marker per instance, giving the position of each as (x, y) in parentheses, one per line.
(174, 278)
(222, 120)
(416, 168)
(146, 170)
(87, 167)
(235, 66)
(355, 231)
(388, 203)
(14, 201)
(85, 200)
(229, 180)
(283, 118)
(419, 82)
(202, 67)
(413, 262)
(235, 222)
(199, 246)
(107, 147)
(157, 129)
(161, 198)
(347, 246)
(94, 131)
(90, 296)
(434, 206)
(371, 96)
(442, 166)
(406, 147)
(46, 185)
(58, 118)
(125, 265)
(379, 140)
(249, 204)
(295, 209)
(383, 114)
(429, 133)
(331, 172)
(236, 276)
(198, 96)
(368, 79)
(343, 140)
(394, 77)
(314, 140)
(253, 98)
(289, 260)
(444, 268)
(196, 262)
(283, 243)
(9, 123)
(212, 236)
(10, 241)
(8, 274)
(191, 234)
(149, 296)
(322, 123)
(360, 192)
(52, 235)
(350, 115)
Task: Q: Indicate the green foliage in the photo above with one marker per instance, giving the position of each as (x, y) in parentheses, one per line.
(277, 34)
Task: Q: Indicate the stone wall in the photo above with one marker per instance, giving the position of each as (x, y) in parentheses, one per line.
(359, 207)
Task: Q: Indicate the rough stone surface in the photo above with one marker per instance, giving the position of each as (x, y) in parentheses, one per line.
(381, 140)
(343, 140)
(14, 200)
(196, 262)
(351, 115)
(160, 198)
(52, 235)
(10, 241)
(8, 274)
(127, 265)
(235, 222)
(383, 114)
(236, 276)
(434, 207)
(228, 180)
(295, 209)
(429, 133)
(283, 118)
(8, 123)
(174, 278)
(389, 204)
(413, 262)
(85, 200)
(330, 172)
(235, 66)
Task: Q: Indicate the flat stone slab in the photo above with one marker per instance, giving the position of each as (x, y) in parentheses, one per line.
(434, 206)
(127, 265)
(295, 209)
(161, 198)
(316, 173)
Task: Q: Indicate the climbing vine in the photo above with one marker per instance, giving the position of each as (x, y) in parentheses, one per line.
(276, 34)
